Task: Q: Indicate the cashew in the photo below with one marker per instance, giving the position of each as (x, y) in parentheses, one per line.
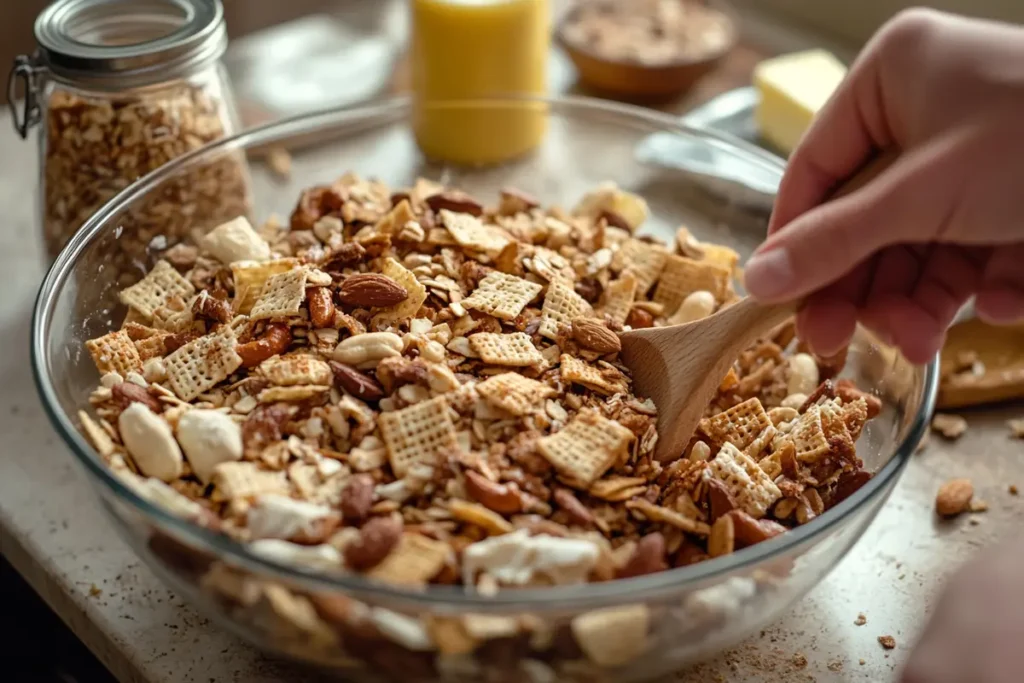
(209, 437)
(441, 379)
(368, 348)
(696, 305)
(150, 442)
(433, 351)
(803, 374)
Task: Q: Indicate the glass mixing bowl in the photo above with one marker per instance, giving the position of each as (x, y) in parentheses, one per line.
(719, 187)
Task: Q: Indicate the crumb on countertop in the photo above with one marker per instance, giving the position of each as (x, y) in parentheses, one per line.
(888, 642)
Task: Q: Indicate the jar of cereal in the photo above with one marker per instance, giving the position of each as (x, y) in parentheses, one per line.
(116, 89)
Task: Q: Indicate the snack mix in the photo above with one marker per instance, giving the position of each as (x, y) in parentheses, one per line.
(421, 389)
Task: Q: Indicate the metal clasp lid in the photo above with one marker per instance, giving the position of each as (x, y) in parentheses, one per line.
(26, 71)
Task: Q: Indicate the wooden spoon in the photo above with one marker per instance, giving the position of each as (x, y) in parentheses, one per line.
(680, 367)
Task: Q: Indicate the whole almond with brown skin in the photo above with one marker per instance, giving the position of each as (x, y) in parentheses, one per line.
(357, 497)
(577, 511)
(456, 201)
(367, 290)
(954, 497)
(356, 383)
(749, 531)
(502, 498)
(126, 393)
(647, 558)
(592, 334)
(376, 539)
(638, 319)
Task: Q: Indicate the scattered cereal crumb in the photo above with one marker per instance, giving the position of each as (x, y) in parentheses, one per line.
(950, 426)
(1016, 426)
(835, 665)
(280, 162)
(1013, 490)
(861, 620)
(954, 497)
(799, 660)
(888, 642)
(94, 591)
(861, 662)
(973, 521)
(978, 506)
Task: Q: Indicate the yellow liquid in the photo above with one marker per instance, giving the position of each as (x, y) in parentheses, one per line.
(474, 49)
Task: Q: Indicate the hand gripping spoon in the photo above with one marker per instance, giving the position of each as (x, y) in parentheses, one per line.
(680, 367)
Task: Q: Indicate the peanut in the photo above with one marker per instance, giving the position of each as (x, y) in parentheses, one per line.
(368, 348)
(274, 340)
(696, 305)
(150, 442)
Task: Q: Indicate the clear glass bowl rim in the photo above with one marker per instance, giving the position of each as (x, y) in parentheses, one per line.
(450, 597)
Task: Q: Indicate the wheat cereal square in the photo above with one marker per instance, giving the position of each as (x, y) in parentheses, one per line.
(160, 285)
(503, 296)
(296, 369)
(586, 447)
(514, 393)
(251, 276)
(235, 480)
(471, 233)
(413, 562)
(682, 276)
(513, 350)
(643, 259)
(282, 296)
(415, 289)
(750, 486)
(739, 425)
(605, 382)
(153, 346)
(561, 306)
(199, 365)
(114, 352)
(808, 435)
(619, 296)
(421, 433)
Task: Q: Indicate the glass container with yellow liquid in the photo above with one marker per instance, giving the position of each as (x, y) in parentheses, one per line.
(469, 50)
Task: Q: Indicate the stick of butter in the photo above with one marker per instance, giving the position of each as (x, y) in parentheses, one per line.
(793, 88)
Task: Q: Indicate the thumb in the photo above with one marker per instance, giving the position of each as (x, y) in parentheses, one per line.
(822, 245)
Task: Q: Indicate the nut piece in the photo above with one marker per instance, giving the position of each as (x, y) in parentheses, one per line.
(803, 374)
(368, 348)
(356, 383)
(209, 437)
(647, 558)
(321, 306)
(950, 426)
(502, 498)
(722, 539)
(954, 497)
(126, 393)
(275, 340)
(150, 442)
(357, 497)
(369, 290)
(376, 539)
(638, 319)
(594, 335)
(456, 201)
(749, 531)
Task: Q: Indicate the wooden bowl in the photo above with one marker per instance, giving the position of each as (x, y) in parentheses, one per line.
(632, 80)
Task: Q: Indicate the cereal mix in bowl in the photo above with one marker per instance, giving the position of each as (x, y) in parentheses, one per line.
(419, 388)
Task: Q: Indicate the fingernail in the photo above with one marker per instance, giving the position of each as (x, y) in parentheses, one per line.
(769, 274)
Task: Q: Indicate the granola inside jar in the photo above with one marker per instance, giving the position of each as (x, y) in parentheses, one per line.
(119, 89)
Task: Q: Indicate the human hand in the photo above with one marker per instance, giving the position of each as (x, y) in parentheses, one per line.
(945, 222)
(976, 631)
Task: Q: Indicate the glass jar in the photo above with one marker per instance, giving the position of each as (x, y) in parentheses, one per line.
(116, 89)
(466, 50)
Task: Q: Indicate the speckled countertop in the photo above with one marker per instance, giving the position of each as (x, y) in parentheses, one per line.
(53, 533)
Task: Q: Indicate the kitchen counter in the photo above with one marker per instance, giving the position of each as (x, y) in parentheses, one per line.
(53, 533)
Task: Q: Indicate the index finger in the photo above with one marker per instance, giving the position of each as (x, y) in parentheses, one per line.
(844, 135)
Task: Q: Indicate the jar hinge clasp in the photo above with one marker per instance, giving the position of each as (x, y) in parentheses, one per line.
(25, 70)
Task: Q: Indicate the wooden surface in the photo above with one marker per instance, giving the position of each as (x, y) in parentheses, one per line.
(52, 530)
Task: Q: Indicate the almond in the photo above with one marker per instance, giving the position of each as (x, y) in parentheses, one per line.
(594, 335)
(357, 497)
(647, 558)
(376, 539)
(720, 501)
(126, 393)
(356, 383)
(515, 201)
(954, 497)
(501, 498)
(577, 511)
(456, 201)
(638, 319)
(368, 290)
(749, 531)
